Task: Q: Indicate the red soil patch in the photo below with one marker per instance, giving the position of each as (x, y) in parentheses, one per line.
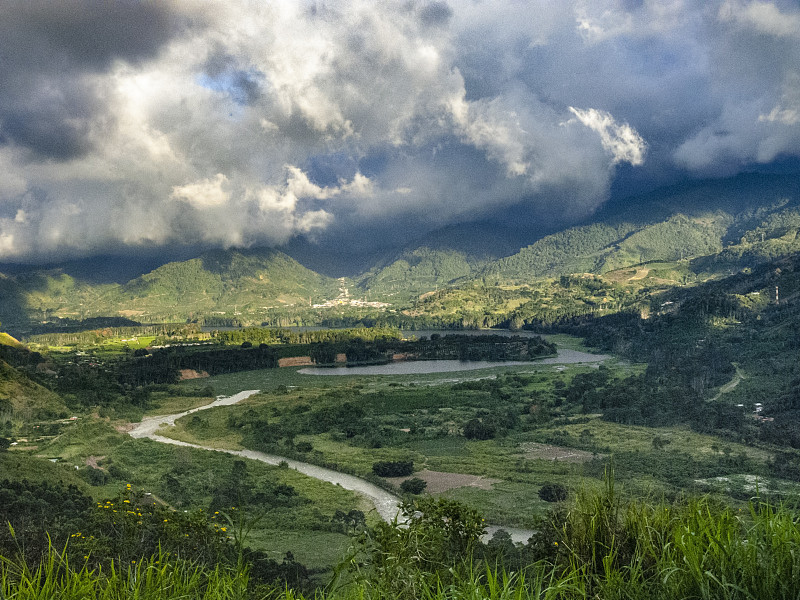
(295, 361)
(192, 374)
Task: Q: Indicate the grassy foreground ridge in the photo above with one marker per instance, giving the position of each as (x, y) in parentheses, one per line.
(600, 547)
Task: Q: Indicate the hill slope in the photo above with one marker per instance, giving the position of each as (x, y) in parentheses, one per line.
(417, 271)
(722, 226)
(223, 282)
(690, 220)
(216, 283)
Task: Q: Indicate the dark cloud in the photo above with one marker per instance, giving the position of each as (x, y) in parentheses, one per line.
(47, 134)
(88, 34)
(435, 13)
(50, 55)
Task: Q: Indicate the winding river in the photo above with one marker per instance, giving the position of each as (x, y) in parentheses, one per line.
(386, 503)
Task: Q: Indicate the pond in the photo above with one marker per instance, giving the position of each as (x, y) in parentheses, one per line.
(418, 367)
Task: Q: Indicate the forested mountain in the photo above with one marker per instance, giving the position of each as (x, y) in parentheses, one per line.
(216, 283)
(418, 271)
(219, 280)
(707, 218)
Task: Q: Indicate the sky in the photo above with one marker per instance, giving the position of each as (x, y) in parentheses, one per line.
(133, 127)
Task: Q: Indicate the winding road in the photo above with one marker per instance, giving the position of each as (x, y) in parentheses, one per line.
(386, 503)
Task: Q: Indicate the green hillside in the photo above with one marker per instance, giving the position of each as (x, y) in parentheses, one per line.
(21, 397)
(219, 284)
(724, 220)
(575, 250)
(223, 282)
(418, 271)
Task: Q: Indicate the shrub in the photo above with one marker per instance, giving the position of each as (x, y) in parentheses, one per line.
(393, 468)
(94, 477)
(415, 485)
(553, 492)
(475, 429)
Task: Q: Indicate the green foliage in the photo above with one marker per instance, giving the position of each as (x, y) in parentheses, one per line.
(601, 547)
(124, 531)
(476, 429)
(155, 576)
(435, 536)
(415, 485)
(553, 492)
(393, 468)
(34, 513)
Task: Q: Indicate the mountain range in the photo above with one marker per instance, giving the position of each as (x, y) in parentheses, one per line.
(711, 227)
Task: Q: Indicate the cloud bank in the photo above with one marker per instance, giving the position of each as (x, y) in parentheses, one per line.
(359, 124)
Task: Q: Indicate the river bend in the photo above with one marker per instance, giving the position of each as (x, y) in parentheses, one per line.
(386, 503)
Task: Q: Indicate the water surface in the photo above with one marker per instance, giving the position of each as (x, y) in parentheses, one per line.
(419, 367)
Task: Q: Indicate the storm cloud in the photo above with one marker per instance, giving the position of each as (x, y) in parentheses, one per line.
(241, 123)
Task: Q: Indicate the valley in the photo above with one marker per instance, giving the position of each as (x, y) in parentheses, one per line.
(657, 355)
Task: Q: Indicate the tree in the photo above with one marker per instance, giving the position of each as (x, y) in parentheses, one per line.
(415, 485)
(323, 353)
(393, 468)
(475, 429)
(553, 492)
(659, 442)
(420, 549)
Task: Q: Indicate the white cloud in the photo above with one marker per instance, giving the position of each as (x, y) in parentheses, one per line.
(488, 126)
(622, 141)
(764, 17)
(207, 193)
(787, 116)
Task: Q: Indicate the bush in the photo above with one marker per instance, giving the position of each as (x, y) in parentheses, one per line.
(553, 492)
(303, 447)
(393, 468)
(415, 485)
(475, 429)
(94, 477)
(118, 473)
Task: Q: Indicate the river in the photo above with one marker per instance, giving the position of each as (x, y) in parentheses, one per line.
(386, 503)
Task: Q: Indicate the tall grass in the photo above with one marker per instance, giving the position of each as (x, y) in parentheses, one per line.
(602, 548)
(695, 549)
(155, 578)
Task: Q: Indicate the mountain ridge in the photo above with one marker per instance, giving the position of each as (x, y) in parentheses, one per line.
(719, 226)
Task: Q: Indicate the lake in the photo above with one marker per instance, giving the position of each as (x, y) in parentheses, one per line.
(419, 367)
